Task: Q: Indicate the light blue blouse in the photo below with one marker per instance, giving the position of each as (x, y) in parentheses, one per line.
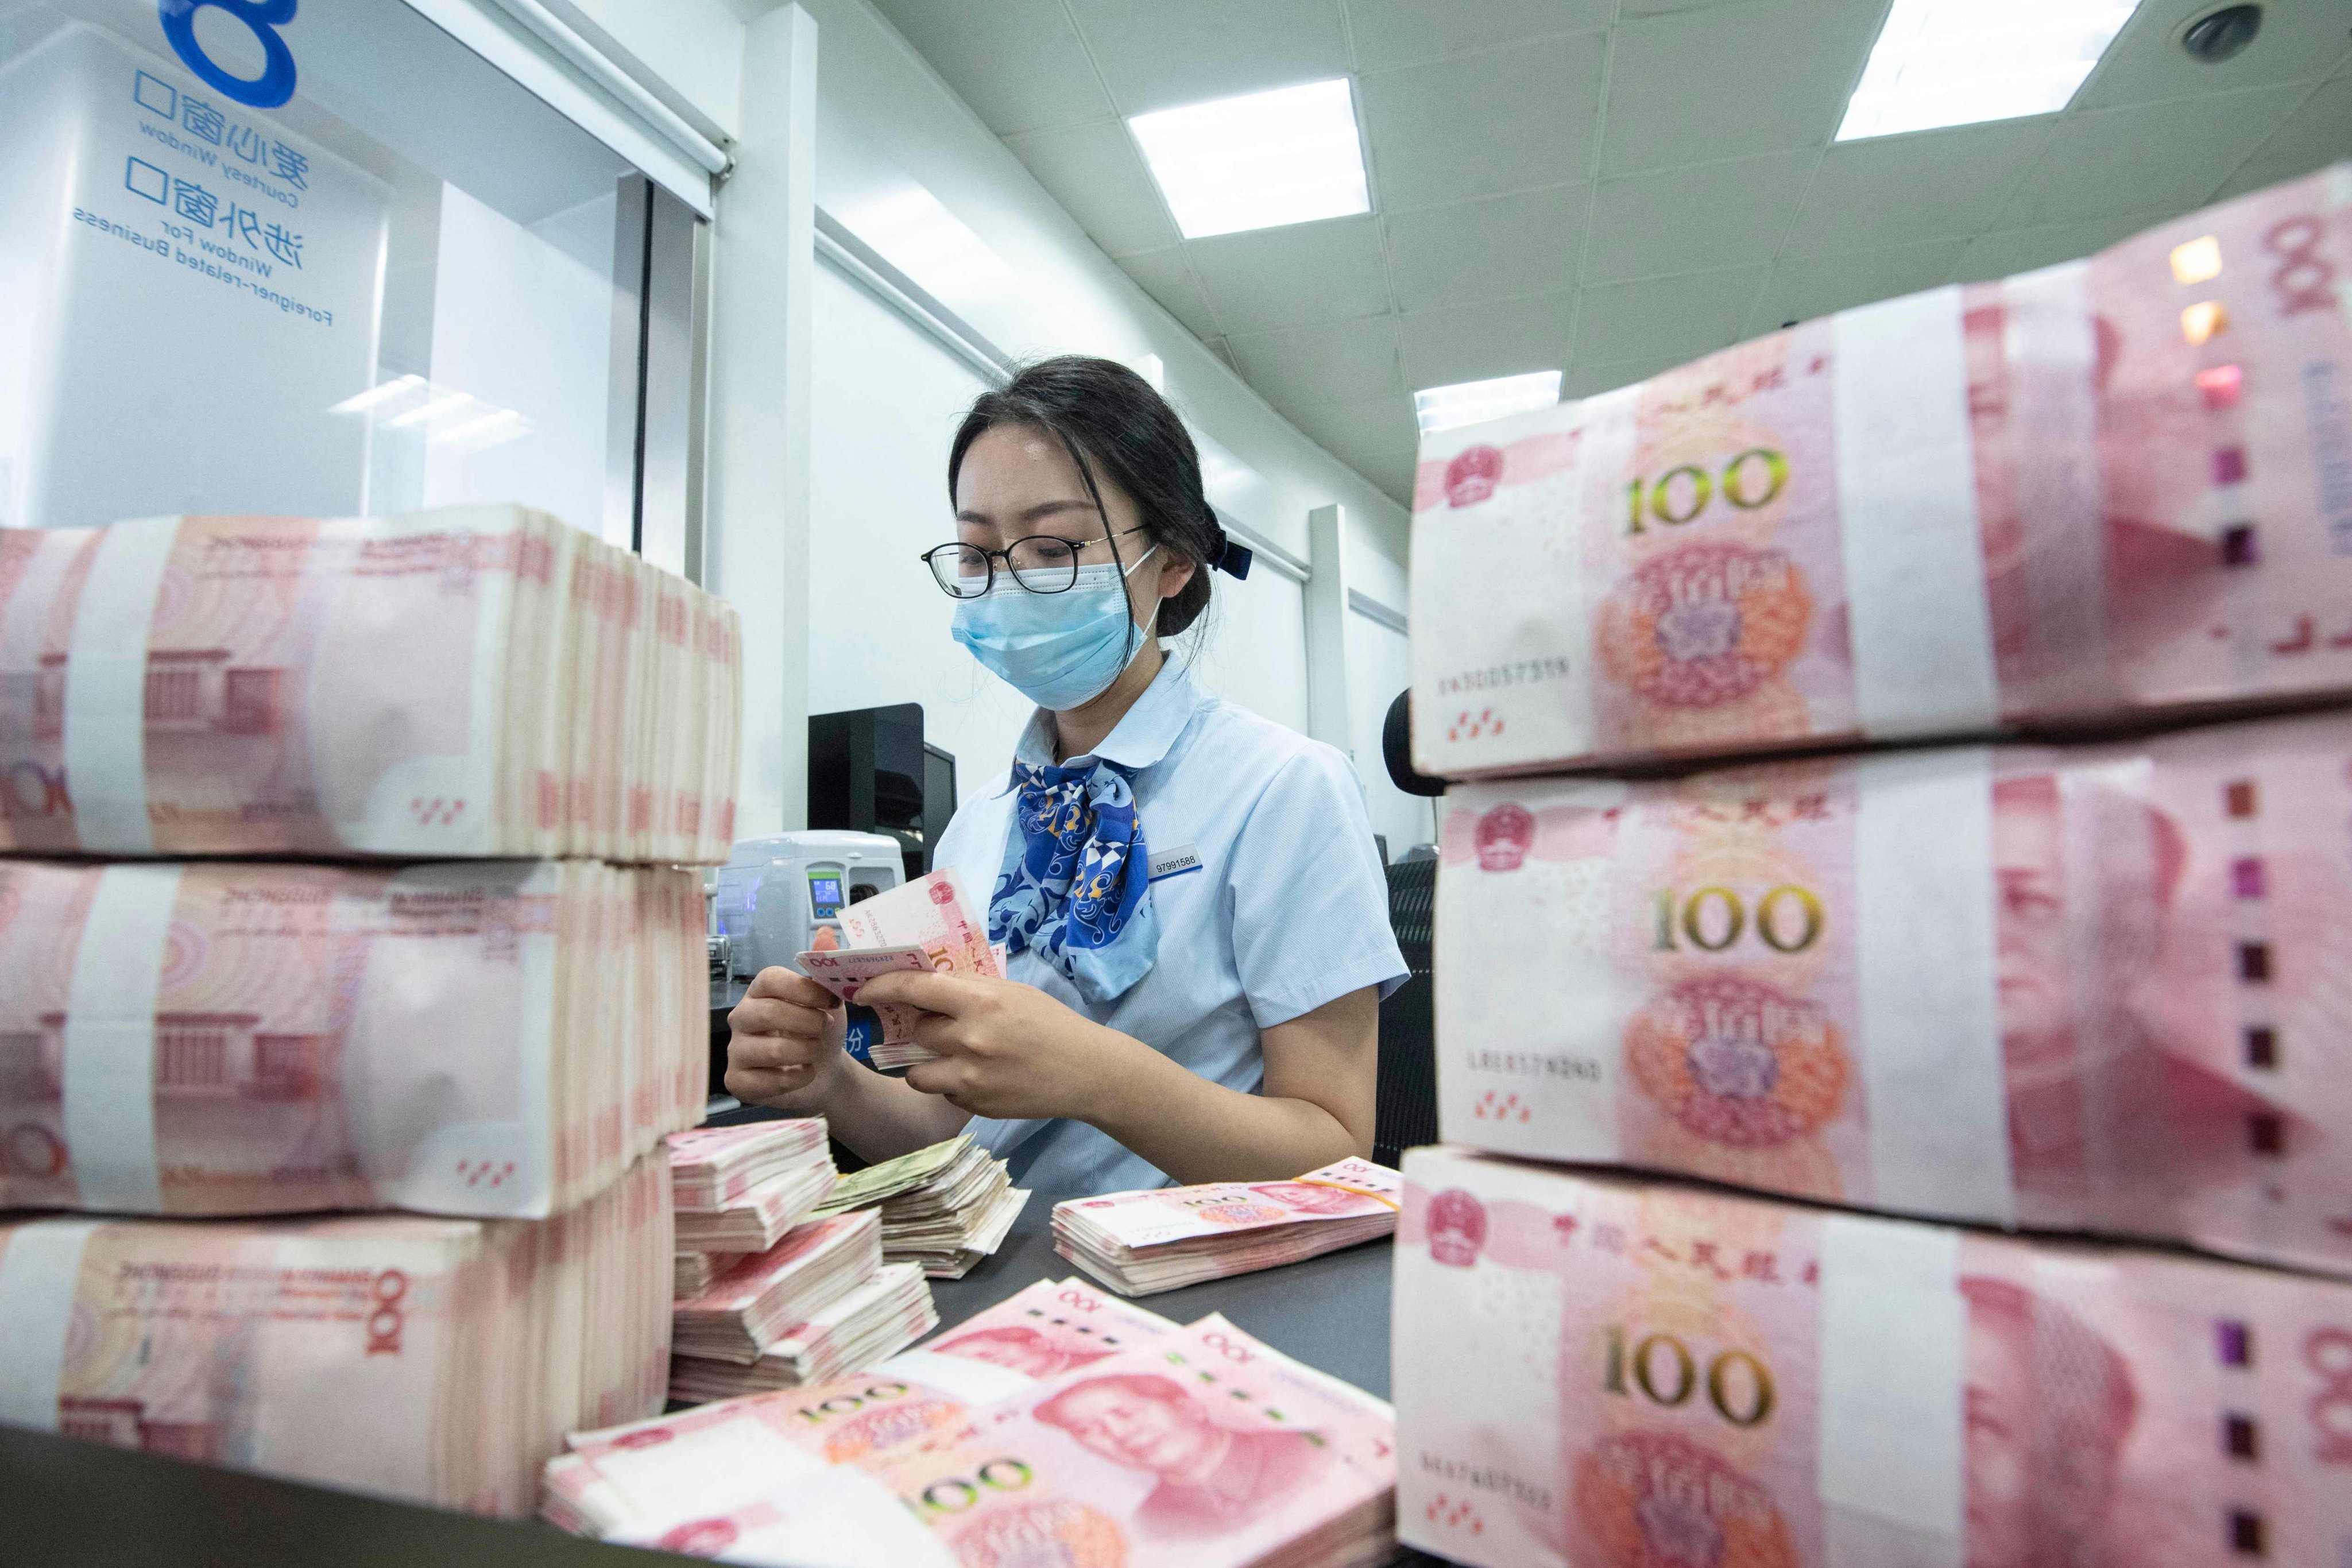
(1280, 908)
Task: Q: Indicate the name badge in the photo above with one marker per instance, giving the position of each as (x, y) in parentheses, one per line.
(1166, 864)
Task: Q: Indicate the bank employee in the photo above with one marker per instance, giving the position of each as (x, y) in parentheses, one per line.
(1191, 893)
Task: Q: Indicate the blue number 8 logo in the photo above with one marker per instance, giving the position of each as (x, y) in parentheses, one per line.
(274, 86)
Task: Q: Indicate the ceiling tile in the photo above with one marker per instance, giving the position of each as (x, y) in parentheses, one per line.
(1805, 286)
(2319, 131)
(1702, 85)
(1691, 220)
(1290, 276)
(1095, 171)
(1687, 315)
(1586, 380)
(1934, 185)
(1471, 342)
(2006, 252)
(1158, 54)
(1401, 32)
(1490, 249)
(1018, 63)
(1375, 436)
(2148, 158)
(1478, 125)
(1166, 279)
(2299, 41)
(1315, 364)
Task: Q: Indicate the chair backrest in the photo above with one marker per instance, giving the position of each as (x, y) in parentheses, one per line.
(1405, 1104)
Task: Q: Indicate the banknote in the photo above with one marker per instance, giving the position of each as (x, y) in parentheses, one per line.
(709, 1167)
(1163, 1237)
(648, 1476)
(744, 1310)
(878, 1318)
(472, 1038)
(1604, 1373)
(843, 971)
(2100, 488)
(467, 681)
(893, 1177)
(438, 1361)
(931, 915)
(760, 1218)
(1203, 1447)
(2092, 987)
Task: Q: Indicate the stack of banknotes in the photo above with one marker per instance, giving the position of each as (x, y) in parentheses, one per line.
(1058, 1426)
(2085, 988)
(793, 1161)
(883, 1313)
(486, 1032)
(1597, 1371)
(467, 681)
(2113, 487)
(475, 1038)
(1161, 1239)
(927, 926)
(751, 1306)
(944, 1208)
(438, 1361)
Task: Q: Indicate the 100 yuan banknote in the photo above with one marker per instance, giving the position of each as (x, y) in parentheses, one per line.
(2090, 988)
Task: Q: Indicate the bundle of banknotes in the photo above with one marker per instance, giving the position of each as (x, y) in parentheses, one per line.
(927, 926)
(885, 1312)
(754, 1303)
(2112, 487)
(2095, 987)
(755, 1218)
(2088, 987)
(477, 1038)
(1058, 1426)
(468, 681)
(1161, 1239)
(1593, 1370)
(712, 1167)
(945, 1206)
(438, 1361)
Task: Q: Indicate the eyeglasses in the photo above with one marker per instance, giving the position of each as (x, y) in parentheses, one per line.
(1042, 563)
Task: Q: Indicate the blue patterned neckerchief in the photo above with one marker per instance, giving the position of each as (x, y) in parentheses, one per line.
(1075, 887)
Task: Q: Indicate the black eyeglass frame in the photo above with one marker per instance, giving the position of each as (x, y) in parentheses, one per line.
(932, 558)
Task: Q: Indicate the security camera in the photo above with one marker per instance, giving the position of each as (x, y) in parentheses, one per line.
(2221, 35)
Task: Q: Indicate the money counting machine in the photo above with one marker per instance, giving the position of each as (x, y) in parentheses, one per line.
(770, 900)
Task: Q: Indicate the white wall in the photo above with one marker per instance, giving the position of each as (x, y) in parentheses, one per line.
(877, 623)
(1380, 666)
(900, 157)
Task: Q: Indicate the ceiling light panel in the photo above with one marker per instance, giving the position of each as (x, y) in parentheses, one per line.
(1476, 403)
(1956, 62)
(1258, 161)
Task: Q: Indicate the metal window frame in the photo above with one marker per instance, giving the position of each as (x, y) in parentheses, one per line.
(653, 475)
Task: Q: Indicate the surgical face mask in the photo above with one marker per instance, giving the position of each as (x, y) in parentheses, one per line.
(1060, 650)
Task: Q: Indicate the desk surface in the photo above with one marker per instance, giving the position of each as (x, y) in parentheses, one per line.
(1331, 1312)
(95, 1507)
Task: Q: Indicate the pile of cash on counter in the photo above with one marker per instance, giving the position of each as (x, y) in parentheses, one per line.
(1997, 1021)
(379, 1016)
(1059, 1425)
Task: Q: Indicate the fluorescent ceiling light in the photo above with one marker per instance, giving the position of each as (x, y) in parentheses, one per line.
(1476, 403)
(914, 231)
(1265, 159)
(1956, 62)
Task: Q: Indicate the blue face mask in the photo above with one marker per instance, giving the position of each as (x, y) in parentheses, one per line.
(1061, 650)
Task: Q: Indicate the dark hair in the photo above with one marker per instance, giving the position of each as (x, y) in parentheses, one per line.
(1108, 418)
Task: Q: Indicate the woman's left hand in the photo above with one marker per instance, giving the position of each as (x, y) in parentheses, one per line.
(1006, 1050)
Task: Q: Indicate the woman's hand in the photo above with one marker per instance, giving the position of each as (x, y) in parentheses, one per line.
(785, 1050)
(1007, 1049)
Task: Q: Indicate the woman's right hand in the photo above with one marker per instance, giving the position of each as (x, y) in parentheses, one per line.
(787, 1046)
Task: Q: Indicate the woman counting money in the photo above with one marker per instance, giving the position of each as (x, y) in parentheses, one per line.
(1190, 893)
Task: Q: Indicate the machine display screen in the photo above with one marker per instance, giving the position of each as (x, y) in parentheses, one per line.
(824, 892)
